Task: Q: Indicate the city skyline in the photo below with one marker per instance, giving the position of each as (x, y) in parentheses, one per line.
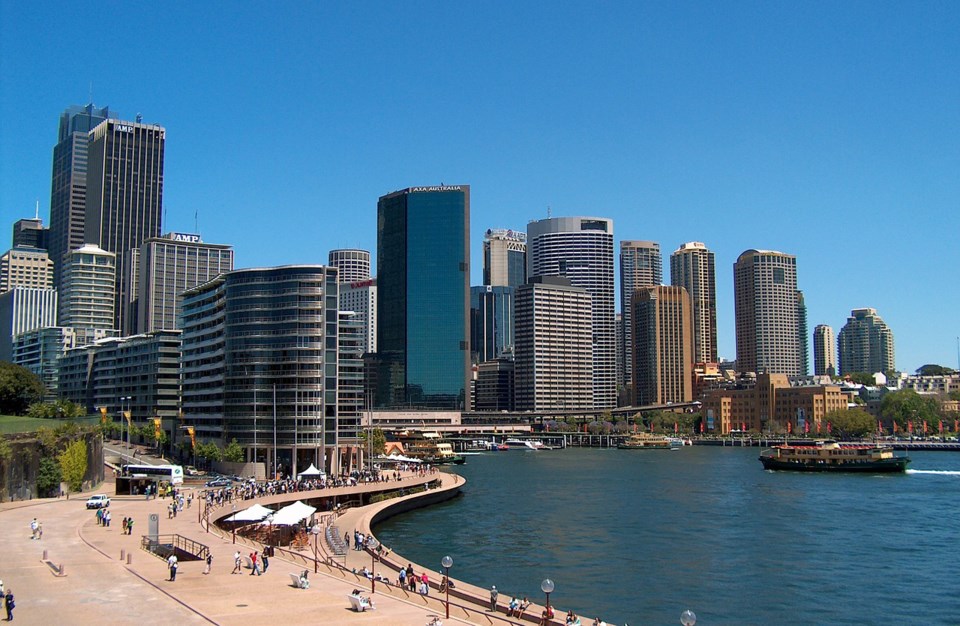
(830, 134)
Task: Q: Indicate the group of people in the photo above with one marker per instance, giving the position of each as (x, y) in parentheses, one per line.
(103, 517)
(517, 607)
(127, 525)
(258, 561)
(36, 530)
(419, 584)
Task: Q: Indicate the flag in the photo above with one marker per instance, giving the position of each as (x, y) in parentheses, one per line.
(676, 427)
(701, 428)
(924, 427)
(127, 415)
(829, 427)
(789, 427)
(910, 427)
(156, 428)
(806, 427)
(941, 427)
(103, 415)
(879, 427)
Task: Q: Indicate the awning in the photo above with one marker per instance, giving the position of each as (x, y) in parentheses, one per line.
(311, 471)
(253, 514)
(291, 514)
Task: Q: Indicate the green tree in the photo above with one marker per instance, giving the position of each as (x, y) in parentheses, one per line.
(861, 378)
(851, 423)
(378, 440)
(954, 395)
(19, 388)
(907, 405)
(209, 451)
(73, 464)
(934, 370)
(233, 452)
(49, 477)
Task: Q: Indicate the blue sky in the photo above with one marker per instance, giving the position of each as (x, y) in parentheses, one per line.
(827, 130)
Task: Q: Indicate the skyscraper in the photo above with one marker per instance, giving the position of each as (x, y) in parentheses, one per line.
(68, 188)
(824, 357)
(865, 344)
(24, 309)
(554, 354)
(87, 294)
(766, 306)
(692, 267)
(491, 322)
(663, 340)
(170, 265)
(423, 273)
(504, 258)
(354, 264)
(30, 233)
(641, 266)
(26, 267)
(124, 201)
(360, 297)
(581, 248)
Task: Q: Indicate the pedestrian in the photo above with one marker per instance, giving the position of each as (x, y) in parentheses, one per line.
(493, 599)
(266, 562)
(123, 524)
(236, 563)
(253, 560)
(9, 604)
(33, 529)
(403, 578)
(206, 570)
(172, 564)
(107, 517)
(39, 531)
(130, 526)
(99, 517)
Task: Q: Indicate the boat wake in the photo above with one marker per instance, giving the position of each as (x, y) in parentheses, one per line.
(935, 472)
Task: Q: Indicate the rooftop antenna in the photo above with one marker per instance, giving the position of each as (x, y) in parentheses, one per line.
(548, 211)
(139, 118)
(196, 215)
(90, 101)
(36, 213)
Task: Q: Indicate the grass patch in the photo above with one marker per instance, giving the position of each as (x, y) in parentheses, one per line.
(11, 424)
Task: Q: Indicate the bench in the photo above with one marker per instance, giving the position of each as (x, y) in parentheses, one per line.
(295, 581)
(247, 562)
(360, 604)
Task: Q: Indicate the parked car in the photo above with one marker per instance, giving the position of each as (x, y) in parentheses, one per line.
(219, 482)
(190, 470)
(98, 501)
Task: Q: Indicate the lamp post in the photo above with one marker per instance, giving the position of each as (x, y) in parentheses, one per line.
(316, 533)
(547, 587)
(688, 618)
(372, 544)
(447, 563)
(233, 526)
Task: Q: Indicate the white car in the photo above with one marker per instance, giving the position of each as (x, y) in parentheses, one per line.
(98, 501)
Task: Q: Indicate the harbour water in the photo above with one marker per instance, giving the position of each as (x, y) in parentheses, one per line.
(638, 536)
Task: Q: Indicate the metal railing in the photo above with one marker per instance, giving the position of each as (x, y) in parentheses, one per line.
(164, 545)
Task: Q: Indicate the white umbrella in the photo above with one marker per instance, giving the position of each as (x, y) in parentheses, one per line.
(291, 514)
(311, 471)
(253, 514)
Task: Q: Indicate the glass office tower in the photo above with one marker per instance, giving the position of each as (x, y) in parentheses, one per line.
(423, 271)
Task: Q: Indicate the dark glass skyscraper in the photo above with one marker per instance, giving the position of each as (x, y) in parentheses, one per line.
(68, 188)
(491, 322)
(423, 272)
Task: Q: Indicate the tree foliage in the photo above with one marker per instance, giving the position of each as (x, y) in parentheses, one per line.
(907, 405)
(73, 464)
(209, 451)
(934, 370)
(861, 378)
(378, 440)
(233, 452)
(60, 409)
(49, 477)
(851, 423)
(19, 388)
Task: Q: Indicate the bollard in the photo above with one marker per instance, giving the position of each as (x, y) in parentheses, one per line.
(123, 554)
(44, 554)
(129, 558)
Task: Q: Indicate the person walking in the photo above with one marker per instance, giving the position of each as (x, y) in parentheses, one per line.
(9, 604)
(266, 562)
(236, 562)
(33, 528)
(130, 526)
(493, 599)
(206, 570)
(172, 564)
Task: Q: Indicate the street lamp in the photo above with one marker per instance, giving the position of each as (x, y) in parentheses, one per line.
(547, 587)
(233, 526)
(688, 618)
(447, 563)
(316, 533)
(372, 544)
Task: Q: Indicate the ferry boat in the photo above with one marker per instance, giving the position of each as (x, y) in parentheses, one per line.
(429, 447)
(524, 444)
(646, 441)
(830, 456)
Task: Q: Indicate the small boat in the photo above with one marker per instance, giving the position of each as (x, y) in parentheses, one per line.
(524, 444)
(830, 456)
(646, 441)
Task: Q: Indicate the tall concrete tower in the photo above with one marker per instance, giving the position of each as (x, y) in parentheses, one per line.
(824, 356)
(641, 266)
(766, 308)
(504, 258)
(581, 248)
(865, 343)
(692, 267)
(663, 340)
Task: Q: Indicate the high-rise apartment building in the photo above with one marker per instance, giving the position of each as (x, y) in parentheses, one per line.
(491, 322)
(354, 264)
(766, 307)
(124, 201)
(170, 265)
(360, 297)
(24, 309)
(504, 258)
(692, 267)
(865, 344)
(663, 345)
(68, 188)
(39, 350)
(423, 283)
(259, 343)
(554, 356)
(581, 248)
(26, 267)
(87, 293)
(641, 266)
(824, 357)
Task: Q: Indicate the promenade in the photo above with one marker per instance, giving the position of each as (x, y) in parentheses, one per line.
(98, 586)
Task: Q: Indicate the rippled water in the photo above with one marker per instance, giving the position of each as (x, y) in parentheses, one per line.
(638, 536)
